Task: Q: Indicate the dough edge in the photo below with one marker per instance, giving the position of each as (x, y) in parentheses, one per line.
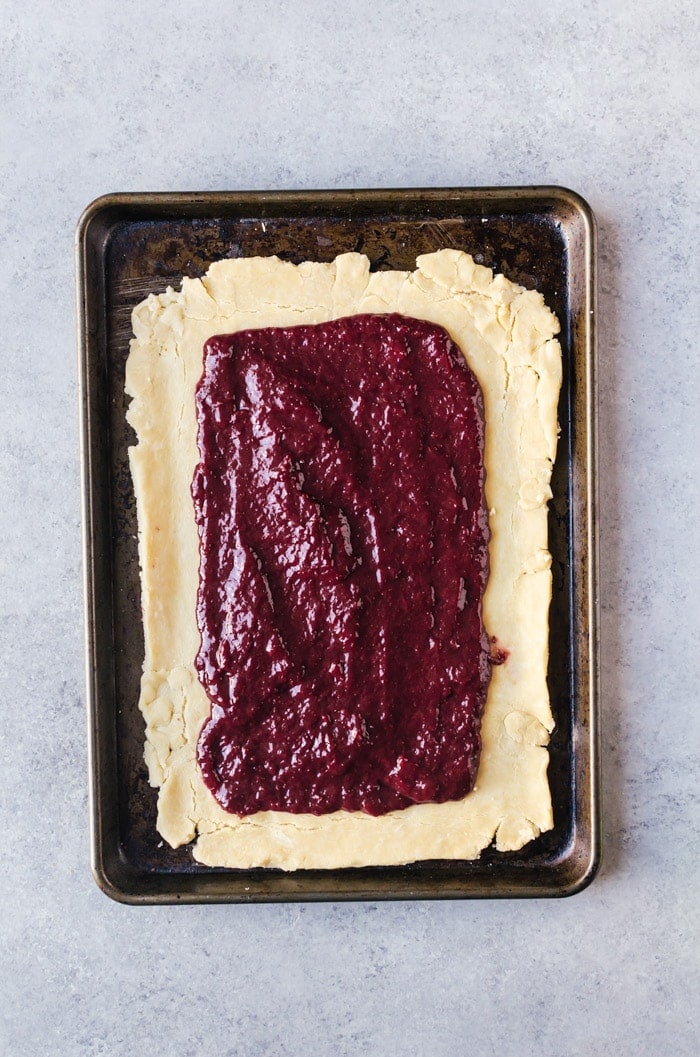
(507, 335)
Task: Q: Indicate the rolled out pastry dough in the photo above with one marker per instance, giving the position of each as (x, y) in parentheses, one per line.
(507, 335)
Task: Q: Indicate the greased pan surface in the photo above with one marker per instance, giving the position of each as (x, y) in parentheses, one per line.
(128, 246)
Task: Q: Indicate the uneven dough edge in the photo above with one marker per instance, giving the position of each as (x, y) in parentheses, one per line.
(507, 335)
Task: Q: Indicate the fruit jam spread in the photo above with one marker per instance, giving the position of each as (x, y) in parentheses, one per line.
(343, 533)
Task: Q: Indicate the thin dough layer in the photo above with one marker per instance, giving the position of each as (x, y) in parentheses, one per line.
(507, 335)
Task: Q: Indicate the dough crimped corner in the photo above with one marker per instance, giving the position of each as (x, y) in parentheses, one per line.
(507, 335)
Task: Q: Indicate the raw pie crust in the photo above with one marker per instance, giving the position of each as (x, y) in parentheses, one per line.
(507, 336)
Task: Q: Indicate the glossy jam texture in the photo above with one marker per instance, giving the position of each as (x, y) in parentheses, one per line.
(343, 533)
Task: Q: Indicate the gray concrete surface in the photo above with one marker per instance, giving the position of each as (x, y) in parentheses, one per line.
(175, 96)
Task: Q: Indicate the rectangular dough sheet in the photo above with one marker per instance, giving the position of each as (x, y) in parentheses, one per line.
(507, 335)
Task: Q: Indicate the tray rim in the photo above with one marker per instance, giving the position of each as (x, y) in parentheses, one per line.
(112, 874)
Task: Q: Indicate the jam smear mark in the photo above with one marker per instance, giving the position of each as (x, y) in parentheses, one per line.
(339, 500)
(497, 654)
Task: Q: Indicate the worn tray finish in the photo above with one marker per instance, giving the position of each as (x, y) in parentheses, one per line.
(130, 245)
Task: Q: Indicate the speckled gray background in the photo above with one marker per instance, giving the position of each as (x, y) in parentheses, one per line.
(183, 96)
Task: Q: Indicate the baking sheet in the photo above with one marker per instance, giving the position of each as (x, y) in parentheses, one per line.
(128, 246)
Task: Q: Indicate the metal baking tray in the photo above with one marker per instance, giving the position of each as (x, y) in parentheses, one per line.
(128, 245)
